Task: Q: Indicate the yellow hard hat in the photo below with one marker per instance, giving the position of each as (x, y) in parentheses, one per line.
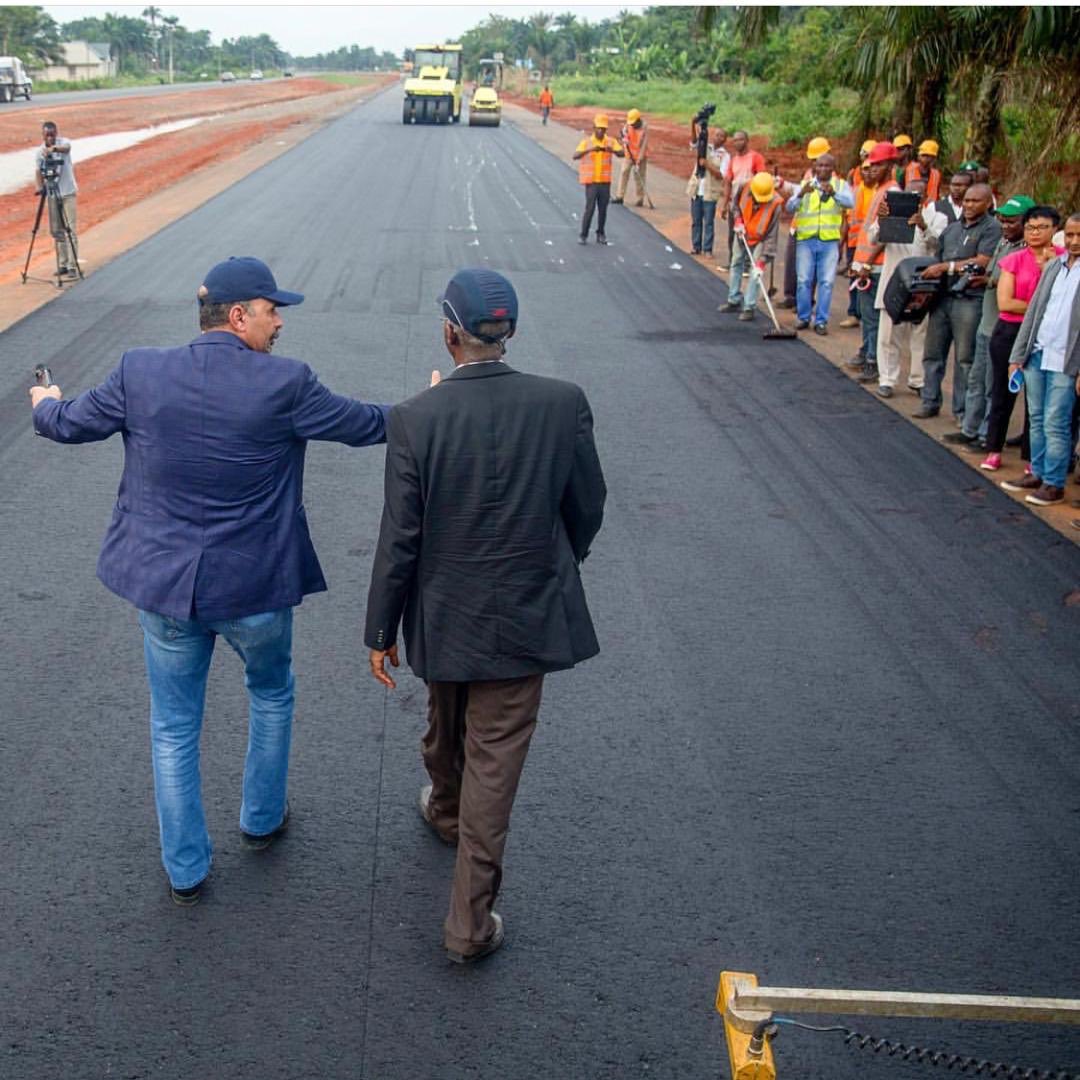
(762, 187)
(600, 120)
(901, 140)
(928, 146)
(817, 147)
(867, 147)
(633, 116)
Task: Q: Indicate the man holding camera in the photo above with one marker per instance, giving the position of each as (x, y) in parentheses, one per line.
(494, 493)
(55, 176)
(593, 155)
(964, 251)
(209, 536)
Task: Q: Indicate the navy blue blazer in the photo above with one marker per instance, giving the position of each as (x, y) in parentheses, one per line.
(209, 520)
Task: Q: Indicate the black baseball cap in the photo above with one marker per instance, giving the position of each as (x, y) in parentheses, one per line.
(244, 278)
(477, 295)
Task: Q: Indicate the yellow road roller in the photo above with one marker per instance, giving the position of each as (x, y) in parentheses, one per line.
(484, 109)
(433, 94)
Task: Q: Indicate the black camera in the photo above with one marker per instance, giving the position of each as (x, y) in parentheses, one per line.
(704, 113)
(52, 165)
(963, 282)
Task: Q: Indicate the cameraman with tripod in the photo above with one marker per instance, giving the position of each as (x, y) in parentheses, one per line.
(55, 178)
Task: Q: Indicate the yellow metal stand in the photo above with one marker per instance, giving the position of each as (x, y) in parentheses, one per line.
(747, 1061)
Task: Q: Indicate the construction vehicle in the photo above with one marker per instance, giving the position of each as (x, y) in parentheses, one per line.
(489, 72)
(485, 109)
(433, 95)
(14, 82)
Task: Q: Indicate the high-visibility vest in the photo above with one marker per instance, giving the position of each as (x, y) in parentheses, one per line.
(933, 181)
(857, 214)
(596, 168)
(633, 138)
(864, 248)
(757, 217)
(820, 218)
(547, 100)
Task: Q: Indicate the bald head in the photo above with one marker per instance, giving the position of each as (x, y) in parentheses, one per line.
(977, 201)
(823, 168)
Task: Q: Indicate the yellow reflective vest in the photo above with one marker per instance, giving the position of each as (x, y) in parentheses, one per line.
(820, 219)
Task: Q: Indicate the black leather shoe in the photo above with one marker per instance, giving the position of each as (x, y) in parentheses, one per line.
(187, 897)
(494, 944)
(601, 238)
(259, 843)
(821, 329)
(924, 412)
(802, 324)
(869, 373)
(958, 438)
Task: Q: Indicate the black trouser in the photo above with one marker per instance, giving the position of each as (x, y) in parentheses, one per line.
(790, 274)
(1001, 398)
(597, 197)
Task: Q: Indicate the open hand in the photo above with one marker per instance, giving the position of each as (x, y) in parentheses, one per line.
(377, 659)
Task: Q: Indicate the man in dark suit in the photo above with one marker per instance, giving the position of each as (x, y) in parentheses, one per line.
(494, 493)
(209, 536)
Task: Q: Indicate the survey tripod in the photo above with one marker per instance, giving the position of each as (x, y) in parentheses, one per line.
(50, 189)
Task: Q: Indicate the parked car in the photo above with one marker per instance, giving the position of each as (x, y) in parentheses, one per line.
(228, 76)
(256, 75)
(288, 73)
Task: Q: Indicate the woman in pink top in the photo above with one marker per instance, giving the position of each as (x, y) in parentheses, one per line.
(1020, 273)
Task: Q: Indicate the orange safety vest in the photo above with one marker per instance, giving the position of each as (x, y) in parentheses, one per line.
(863, 248)
(857, 214)
(596, 168)
(757, 217)
(546, 99)
(933, 182)
(634, 138)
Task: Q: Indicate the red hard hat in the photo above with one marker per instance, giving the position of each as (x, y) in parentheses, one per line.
(883, 151)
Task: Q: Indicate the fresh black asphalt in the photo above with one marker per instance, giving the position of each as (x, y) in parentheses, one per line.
(831, 737)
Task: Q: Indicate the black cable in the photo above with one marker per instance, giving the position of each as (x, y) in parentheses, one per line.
(925, 1056)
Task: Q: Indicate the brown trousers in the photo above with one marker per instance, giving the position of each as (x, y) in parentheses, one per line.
(474, 750)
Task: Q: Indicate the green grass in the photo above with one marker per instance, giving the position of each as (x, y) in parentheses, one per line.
(344, 78)
(758, 107)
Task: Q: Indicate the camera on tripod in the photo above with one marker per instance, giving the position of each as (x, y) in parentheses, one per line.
(704, 113)
(52, 165)
(963, 282)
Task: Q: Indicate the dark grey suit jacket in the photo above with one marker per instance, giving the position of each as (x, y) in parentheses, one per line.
(494, 493)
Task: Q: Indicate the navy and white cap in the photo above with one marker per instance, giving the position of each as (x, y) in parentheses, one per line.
(477, 295)
(244, 278)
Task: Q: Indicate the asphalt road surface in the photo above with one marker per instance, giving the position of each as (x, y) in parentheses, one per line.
(831, 737)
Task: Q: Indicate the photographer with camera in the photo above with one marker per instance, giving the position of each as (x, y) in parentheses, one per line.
(705, 187)
(964, 251)
(55, 176)
(593, 155)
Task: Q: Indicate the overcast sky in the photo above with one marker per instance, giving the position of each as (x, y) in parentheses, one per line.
(304, 30)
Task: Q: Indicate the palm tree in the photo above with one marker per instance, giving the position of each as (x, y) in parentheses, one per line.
(153, 13)
(541, 41)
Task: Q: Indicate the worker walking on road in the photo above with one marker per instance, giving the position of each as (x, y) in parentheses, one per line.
(593, 155)
(547, 103)
(635, 137)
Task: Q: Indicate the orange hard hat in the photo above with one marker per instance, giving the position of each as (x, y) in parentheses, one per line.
(817, 147)
(762, 187)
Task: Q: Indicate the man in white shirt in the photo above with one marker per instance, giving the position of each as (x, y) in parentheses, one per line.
(1047, 349)
(892, 337)
(55, 175)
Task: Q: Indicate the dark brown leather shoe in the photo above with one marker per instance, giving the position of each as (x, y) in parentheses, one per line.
(1027, 482)
(1047, 495)
(494, 944)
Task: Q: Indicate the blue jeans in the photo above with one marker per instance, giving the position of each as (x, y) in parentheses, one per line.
(702, 219)
(869, 319)
(815, 261)
(178, 654)
(953, 322)
(979, 382)
(741, 265)
(1050, 397)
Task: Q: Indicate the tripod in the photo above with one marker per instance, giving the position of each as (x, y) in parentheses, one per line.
(51, 190)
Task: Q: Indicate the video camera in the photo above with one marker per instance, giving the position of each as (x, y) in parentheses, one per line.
(963, 282)
(701, 121)
(51, 166)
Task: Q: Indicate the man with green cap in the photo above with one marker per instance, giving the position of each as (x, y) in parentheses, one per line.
(977, 400)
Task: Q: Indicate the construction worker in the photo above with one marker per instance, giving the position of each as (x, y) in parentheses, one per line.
(815, 148)
(635, 138)
(547, 103)
(905, 150)
(854, 218)
(870, 258)
(593, 155)
(757, 222)
(924, 168)
(819, 207)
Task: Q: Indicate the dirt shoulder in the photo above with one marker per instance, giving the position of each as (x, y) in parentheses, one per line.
(671, 218)
(145, 187)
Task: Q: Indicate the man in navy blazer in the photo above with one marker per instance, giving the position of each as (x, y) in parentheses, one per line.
(209, 535)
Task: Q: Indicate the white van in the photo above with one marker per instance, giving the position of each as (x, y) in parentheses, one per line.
(14, 82)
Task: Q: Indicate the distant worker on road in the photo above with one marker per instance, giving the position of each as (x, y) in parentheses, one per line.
(61, 191)
(635, 138)
(547, 103)
(593, 155)
(209, 537)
